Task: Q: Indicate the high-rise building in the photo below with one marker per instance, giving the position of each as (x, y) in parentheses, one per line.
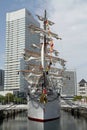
(18, 38)
(69, 87)
(1, 80)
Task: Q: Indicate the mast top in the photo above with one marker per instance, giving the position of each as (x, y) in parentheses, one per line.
(45, 16)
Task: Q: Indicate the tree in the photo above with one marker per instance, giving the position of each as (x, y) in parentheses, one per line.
(9, 97)
(2, 98)
(77, 98)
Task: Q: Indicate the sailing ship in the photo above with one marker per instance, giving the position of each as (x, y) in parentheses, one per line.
(44, 78)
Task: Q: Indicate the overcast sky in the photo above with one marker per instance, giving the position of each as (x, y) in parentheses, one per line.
(70, 18)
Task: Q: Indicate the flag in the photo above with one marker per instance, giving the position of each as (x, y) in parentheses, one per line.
(51, 46)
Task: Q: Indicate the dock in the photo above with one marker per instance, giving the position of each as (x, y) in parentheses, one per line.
(11, 110)
(79, 110)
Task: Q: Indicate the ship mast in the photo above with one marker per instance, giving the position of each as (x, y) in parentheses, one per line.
(45, 19)
(44, 49)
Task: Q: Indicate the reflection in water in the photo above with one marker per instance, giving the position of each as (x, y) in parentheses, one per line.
(69, 122)
(66, 122)
(17, 123)
(51, 125)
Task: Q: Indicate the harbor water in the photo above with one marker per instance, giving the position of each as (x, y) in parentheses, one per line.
(66, 122)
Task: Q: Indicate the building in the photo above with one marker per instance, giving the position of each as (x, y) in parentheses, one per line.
(69, 87)
(1, 80)
(3, 93)
(18, 38)
(82, 88)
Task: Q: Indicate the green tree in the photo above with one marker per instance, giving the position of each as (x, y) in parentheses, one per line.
(9, 98)
(77, 98)
(2, 98)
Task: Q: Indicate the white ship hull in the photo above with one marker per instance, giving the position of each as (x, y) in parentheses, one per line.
(43, 112)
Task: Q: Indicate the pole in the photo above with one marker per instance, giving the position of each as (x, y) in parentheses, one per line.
(44, 74)
(45, 42)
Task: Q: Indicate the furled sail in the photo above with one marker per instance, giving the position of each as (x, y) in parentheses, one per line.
(35, 29)
(42, 57)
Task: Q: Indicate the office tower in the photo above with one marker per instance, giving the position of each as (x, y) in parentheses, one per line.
(18, 38)
(1, 80)
(69, 87)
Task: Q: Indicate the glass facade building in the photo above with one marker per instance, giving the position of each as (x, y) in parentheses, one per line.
(18, 38)
(1, 80)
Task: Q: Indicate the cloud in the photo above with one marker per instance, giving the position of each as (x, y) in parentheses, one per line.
(70, 17)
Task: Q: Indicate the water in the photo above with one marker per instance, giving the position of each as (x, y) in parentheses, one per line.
(66, 122)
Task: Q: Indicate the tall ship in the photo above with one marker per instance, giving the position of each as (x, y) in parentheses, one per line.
(44, 74)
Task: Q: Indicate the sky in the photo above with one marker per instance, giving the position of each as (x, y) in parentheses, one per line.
(70, 18)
